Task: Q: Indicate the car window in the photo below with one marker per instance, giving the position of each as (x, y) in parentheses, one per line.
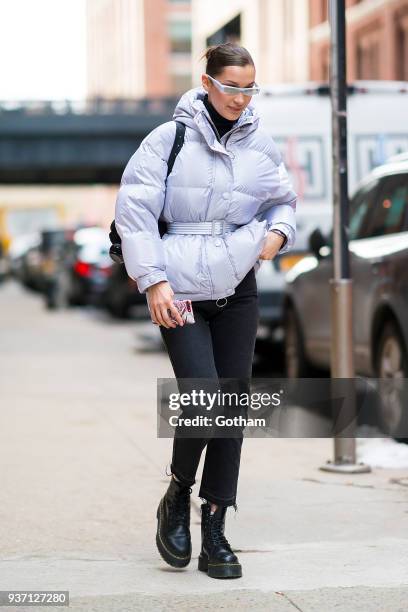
(362, 202)
(389, 213)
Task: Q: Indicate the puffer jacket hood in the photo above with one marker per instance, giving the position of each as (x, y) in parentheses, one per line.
(239, 178)
(191, 111)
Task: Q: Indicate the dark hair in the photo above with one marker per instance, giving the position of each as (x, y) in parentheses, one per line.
(226, 54)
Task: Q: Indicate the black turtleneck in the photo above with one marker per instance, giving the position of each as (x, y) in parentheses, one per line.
(222, 124)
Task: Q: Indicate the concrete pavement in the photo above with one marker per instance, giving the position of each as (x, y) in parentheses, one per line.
(83, 471)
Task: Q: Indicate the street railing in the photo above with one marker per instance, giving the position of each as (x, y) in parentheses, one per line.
(97, 106)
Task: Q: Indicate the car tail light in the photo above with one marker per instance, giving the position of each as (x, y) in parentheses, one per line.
(82, 268)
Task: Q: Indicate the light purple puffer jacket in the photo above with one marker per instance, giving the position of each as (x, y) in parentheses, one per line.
(241, 179)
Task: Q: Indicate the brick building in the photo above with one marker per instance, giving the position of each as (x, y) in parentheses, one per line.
(274, 31)
(138, 48)
(377, 39)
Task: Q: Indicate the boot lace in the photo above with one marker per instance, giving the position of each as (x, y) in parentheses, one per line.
(179, 509)
(217, 533)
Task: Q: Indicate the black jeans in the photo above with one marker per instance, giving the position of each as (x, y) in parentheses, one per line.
(220, 344)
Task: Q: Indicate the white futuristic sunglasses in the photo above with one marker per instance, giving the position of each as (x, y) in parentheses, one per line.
(233, 91)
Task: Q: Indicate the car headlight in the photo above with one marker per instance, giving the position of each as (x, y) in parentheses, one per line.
(288, 260)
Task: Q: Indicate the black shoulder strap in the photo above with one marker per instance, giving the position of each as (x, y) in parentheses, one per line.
(177, 145)
(116, 250)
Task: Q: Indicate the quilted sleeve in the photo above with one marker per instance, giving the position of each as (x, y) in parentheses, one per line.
(280, 207)
(139, 204)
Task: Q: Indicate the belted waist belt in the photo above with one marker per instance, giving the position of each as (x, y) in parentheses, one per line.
(214, 228)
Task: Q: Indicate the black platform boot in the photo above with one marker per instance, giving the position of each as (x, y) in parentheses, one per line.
(173, 527)
(216, 557)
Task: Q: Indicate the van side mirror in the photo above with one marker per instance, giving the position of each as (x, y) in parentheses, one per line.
(316, 242)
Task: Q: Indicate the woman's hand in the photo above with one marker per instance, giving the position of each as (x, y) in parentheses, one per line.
(272, 245)
(160, 300)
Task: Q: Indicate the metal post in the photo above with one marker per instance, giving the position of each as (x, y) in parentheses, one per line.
(342, 363)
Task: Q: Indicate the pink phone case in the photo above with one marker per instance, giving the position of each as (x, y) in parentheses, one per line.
(185, 309)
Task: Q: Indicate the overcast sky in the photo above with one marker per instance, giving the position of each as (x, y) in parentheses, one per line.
(42, 49)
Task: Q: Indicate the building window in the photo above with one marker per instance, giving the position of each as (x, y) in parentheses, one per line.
(180, 83)
(368, 55)
(230, 32)
(324, 10)
(402, 48)
(180, 36)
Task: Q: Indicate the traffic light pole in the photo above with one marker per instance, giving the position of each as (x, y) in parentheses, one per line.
(342, 362)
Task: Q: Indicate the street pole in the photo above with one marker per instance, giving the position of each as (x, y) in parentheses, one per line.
(342, 361)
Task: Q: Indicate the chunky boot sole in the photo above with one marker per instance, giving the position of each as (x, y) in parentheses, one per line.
(219, 570)
(166, 554)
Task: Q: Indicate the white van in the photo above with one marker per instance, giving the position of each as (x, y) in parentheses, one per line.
(298, 117)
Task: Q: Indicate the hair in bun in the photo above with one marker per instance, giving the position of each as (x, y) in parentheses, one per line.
(226, 54)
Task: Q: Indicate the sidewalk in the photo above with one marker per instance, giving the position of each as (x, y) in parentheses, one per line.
(83, 471)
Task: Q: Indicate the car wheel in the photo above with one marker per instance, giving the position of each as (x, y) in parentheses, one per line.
(118, 306)
(296, 365)
(392, 370)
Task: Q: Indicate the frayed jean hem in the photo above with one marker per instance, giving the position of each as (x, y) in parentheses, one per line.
(212, 499)
(182, 479)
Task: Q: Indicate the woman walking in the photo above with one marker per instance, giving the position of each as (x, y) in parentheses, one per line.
(228, 205)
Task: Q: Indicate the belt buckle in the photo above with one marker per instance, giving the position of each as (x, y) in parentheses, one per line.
(222, 221)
